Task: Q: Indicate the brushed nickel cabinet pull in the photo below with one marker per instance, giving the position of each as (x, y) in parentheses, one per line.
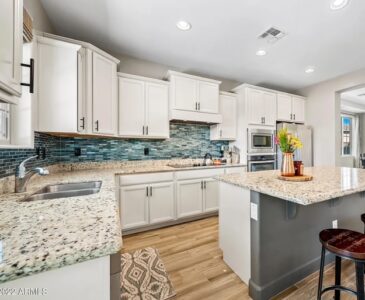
(82, 126)
(97, 125)
(198, 105)
(146, 130)
(147, 191)
(150, 191)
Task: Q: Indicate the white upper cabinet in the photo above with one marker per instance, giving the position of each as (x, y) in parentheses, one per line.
(184, 93)
(57, 85)
(298, 109)
(261, 107)
(76, 87)
(284, 107)
(194, 98)
(143, 107)
(290, 108)
(104, 95)
(131, 107)
(157, 110)
(269, 105)
(227, 130)
(208, 97)
(11, 41)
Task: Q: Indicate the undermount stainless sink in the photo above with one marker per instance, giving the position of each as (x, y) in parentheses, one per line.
(65, 190)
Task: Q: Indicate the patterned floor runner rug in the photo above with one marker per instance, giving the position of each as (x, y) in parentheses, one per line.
(144, 276)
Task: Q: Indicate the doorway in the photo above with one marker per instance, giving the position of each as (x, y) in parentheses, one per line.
(352, 127)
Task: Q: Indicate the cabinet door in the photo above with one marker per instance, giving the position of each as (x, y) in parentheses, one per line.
(104, 90)
(228, 109)
(298, 109)
(189, 198)
(131, 107)
(269, 107)
(184, 93)
(157, 110)
(134, 206)
(255, 109)
(208, 97)
(11, 40)
(161, 202)
(82, 120)
(57, 73)
(284, 109)
(211, 195)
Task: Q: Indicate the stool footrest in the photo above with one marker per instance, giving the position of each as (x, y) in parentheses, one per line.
(338, 288)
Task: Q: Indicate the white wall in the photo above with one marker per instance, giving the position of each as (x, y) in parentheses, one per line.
(41, 21)
(323, 114)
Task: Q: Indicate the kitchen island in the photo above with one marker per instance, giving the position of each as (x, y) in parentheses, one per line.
(268, 228)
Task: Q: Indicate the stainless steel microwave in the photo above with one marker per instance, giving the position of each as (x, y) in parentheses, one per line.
(260, 141)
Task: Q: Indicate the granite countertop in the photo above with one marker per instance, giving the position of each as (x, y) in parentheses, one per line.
(43, 235)
(328, 183)
(171, 167)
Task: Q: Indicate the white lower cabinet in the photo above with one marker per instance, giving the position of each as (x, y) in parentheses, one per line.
(189, 197)
(134, 206)
(211, 195)
(146, 204)
(161, 202)
(158, 198)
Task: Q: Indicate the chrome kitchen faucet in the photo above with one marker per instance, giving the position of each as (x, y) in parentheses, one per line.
(22, 176)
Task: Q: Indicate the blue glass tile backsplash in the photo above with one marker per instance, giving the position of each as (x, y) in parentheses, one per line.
(186, 140)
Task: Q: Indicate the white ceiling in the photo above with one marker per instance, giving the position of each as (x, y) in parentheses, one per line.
(223, 39)
(353, 100)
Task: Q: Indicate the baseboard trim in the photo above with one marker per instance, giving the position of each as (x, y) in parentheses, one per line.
(169, 223)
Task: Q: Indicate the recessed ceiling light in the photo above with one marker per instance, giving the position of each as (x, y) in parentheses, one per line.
(309, 70)
(183, 25)
(338, 4)
(260, 52)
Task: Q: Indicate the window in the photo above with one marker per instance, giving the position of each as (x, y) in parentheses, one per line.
(347, 127)
(4, 123)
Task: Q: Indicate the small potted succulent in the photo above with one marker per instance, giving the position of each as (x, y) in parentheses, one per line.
(287, 144)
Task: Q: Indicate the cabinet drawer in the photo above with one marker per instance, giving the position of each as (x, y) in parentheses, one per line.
(199, 173)
(145, 178)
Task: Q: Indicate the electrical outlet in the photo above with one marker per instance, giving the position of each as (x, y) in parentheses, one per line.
(254, 211)
(146, 151)
(77, 151)
(334, 224)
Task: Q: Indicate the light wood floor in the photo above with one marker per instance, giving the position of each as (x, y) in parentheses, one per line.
(194, 263)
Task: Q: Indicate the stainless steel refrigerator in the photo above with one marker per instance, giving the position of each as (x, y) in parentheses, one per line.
(304, 133)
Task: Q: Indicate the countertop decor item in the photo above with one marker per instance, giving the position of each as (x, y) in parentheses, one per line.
(298, 167)
(299, 178)
(288, 144)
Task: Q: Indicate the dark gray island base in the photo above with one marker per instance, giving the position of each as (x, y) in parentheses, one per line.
(284, 239)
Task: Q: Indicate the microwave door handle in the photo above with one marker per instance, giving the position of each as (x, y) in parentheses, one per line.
(262, 162)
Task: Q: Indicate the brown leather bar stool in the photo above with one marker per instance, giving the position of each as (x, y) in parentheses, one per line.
(363, 220)
(347, 244)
